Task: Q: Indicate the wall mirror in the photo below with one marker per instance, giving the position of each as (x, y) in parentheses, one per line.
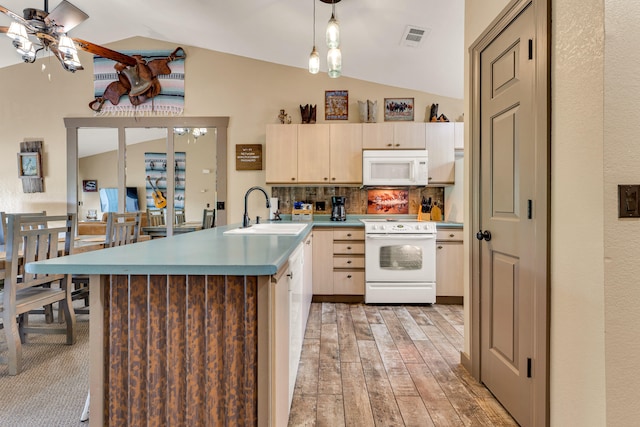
(118, 164)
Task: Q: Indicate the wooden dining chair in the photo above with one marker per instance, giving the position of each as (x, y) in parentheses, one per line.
(3, 221)
(180, 217)
(122, 228)
(208, 218)
(155, 217)
(29, 239)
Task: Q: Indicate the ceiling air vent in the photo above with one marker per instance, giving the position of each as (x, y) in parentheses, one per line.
(414, 36)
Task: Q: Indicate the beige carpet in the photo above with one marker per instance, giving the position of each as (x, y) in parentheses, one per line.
(52, 388)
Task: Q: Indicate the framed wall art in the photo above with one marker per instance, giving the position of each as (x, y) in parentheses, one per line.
(89, 185)
(398, 109)
(29, 165)
(336, 105)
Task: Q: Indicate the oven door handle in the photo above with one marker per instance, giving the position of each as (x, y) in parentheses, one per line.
(401, 236)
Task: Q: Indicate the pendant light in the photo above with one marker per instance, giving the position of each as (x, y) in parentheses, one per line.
(334, 55)
(314, 57)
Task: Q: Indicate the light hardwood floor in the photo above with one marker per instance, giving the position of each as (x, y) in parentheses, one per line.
(387, 366)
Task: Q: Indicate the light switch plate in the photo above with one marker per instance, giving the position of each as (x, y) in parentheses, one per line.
(628, 201)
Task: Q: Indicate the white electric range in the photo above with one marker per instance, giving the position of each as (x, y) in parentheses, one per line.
(400, 261)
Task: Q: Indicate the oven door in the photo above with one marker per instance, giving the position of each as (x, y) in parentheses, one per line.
(400, 258)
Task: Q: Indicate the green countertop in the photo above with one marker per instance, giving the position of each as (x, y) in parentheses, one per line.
(207, 252)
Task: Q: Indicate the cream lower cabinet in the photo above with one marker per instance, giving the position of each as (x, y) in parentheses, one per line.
(319, 154)
(449, 263)
(338, 261)
(393, 136)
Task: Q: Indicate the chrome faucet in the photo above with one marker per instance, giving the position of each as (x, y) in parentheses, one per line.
(245, 217)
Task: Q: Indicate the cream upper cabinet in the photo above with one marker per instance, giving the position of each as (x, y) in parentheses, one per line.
(393, 136)
(346, 153)
(314, 153)
(440, 140)
(458, 143)
(281, 158)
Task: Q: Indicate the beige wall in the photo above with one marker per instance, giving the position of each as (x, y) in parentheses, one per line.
(250, 92)
(577, 365)
(621, 236)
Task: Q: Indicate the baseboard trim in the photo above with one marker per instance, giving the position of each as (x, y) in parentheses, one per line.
(465, 360)
(338, 298)
(450, 300)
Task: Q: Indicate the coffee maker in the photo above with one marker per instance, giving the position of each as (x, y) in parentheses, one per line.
(338, 211)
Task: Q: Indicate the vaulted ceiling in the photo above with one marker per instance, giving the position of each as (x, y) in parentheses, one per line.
(281, 31)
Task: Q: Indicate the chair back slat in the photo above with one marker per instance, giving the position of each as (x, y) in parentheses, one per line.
(180, 216)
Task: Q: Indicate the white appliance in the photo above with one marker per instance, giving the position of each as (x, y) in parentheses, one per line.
(395, 167)
(400, 261)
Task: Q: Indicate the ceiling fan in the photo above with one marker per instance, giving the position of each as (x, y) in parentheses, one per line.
(39, 30)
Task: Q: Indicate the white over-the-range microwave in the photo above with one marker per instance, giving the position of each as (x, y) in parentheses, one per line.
(395, 167)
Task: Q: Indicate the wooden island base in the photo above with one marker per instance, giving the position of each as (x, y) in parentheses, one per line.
(175, 350)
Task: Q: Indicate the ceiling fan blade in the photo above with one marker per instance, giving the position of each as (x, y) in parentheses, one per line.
(105, 52)
(4, 29)
(66, 16)
(16, 17)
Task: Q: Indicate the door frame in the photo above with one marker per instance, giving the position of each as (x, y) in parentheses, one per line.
(541, 208)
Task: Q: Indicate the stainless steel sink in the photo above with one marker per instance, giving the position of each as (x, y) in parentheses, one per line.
(285, 228)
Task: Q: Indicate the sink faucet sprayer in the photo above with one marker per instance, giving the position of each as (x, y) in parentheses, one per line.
(245, 217)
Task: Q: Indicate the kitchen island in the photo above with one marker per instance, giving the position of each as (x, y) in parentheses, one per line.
(181, 329)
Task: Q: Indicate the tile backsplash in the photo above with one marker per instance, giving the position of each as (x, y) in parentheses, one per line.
(356, 198)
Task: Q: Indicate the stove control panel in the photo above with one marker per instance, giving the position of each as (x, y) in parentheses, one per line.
(400, 227)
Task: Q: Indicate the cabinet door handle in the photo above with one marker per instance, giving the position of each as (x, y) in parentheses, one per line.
(389, 145)
(397, 145)
(326, 179)
(334, 178)
(439, 247)
(290, 275)
(293, 179)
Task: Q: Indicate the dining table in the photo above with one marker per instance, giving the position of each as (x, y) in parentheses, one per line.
(161, 230)
(81, 243)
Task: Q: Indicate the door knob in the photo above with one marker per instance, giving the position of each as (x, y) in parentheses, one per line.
(486, 235)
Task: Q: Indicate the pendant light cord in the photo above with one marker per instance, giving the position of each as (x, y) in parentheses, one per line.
(314, 23)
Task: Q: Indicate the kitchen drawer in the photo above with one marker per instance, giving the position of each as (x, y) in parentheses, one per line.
(346, 261)
(346, 282)
(348, 233)
(356, 247)
(449, 234)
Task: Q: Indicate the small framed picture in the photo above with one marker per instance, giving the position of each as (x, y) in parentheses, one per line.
(29, 165)
(89, 185)
(398, 109)
(336, 105)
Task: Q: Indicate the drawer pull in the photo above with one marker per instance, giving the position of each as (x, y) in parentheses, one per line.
(349, 276)
(439, 247)
(348, 234)
(348, 248)
(349, 262)
(451, 235)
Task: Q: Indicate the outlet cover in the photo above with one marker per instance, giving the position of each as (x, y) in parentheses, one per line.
(220, 206)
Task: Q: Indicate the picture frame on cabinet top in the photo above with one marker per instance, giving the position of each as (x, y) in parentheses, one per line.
(336, 105)
(398, 109)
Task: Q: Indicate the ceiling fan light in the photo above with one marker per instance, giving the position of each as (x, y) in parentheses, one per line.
(25, 48)
(334, 62)
(72, 61)
(333, 32)
(314, 61)
(66, 46)
(17, 31)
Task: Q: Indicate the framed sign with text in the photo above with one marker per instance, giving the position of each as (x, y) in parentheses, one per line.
(249, 157)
